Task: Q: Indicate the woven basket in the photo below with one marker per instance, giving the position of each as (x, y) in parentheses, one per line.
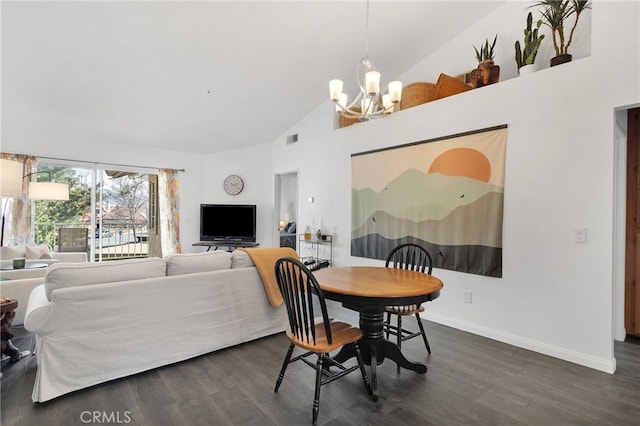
(447, 86)
(416, 94)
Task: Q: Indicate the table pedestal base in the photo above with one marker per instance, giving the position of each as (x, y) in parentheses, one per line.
(375, 348)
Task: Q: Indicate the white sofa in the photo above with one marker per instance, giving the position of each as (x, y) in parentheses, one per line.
(96, 322)
(38, 253)
(18, 283)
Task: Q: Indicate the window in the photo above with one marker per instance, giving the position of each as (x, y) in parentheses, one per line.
(111, 206)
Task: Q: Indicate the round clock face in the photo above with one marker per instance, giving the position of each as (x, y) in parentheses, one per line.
(233, 184)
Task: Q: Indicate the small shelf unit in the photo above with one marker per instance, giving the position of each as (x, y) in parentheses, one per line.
(316, 253)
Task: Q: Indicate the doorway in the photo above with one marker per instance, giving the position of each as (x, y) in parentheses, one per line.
(286, 203)
(632, 238)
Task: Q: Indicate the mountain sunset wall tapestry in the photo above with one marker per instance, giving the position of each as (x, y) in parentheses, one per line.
(446, 194)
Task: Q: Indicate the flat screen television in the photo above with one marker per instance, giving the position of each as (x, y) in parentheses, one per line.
(227, 222)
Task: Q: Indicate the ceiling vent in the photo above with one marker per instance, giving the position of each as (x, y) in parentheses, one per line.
(292, 138)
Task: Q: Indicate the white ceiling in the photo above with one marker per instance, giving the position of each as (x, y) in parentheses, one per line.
(141, 72)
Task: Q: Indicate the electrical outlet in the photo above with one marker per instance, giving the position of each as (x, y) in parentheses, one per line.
(467, 296)
(579, 235)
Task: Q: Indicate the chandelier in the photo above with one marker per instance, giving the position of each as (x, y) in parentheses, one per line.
(369, 102)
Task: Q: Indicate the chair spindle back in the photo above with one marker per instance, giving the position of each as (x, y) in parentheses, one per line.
(412, 257)
(298, 286)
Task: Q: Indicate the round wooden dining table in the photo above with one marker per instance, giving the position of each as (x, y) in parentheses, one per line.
(368, 290)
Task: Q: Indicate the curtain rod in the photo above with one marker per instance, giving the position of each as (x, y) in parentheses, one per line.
(107, 164)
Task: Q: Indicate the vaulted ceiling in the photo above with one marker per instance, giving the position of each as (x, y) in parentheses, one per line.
(199, 76)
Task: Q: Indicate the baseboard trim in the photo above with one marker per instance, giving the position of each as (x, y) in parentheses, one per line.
(605, 365)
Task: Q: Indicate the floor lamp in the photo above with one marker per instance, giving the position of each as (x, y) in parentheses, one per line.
(10, 186)
(52, 191)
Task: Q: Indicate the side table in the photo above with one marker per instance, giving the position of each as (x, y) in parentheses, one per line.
(28, 265)
(7, 308)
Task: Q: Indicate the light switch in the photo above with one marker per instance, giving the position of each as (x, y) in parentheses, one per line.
(580, 235)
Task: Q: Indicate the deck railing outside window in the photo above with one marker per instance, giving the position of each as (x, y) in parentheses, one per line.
(115, 240)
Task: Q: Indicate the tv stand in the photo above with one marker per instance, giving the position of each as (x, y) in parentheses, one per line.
(229, 244)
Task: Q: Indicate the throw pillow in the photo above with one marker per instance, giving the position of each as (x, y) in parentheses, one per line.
(12, 252)
(180, 264)
(37, 252)
(241, 259)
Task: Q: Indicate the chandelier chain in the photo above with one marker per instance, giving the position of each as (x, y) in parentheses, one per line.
(366, 32)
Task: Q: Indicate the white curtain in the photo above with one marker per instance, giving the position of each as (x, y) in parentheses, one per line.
(169, 201)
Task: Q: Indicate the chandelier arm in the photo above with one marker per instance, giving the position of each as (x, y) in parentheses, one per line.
(356, 100)
(349, 113)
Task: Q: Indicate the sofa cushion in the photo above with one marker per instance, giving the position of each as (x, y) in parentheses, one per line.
(63, 274)
(12, 252)
(241, 259)
(33, 251)
(180, 264)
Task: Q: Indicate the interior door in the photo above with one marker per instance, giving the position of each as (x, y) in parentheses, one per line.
(287, 209)
(632, 257)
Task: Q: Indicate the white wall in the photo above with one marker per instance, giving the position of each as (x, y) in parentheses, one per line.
(253, 164)
(555, 296)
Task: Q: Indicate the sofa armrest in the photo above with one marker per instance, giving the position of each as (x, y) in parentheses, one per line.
(72, 256)
(19, 290)
(38, 308)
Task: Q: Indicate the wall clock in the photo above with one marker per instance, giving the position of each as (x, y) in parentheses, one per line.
(233, 184)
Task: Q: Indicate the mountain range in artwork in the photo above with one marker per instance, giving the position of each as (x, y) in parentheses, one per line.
(454, 212)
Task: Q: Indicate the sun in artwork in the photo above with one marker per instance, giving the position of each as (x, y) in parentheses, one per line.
(465, 162)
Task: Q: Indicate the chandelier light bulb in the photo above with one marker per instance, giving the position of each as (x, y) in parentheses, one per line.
(342, 102)
(368, 107)
(395, 91)
(386, 102)
(372, 82)
(335, 90)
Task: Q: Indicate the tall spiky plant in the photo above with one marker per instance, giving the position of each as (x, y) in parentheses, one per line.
(555, 13)
(527, 54)
(486, 50)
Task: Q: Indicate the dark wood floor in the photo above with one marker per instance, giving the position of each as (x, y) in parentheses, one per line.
(471, 381)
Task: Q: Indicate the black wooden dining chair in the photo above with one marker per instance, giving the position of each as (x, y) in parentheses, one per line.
(415, 258)
(299, 288)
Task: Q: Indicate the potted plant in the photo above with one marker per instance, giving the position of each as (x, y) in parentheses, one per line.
(554, 15)
(526, 56)
(487, 72)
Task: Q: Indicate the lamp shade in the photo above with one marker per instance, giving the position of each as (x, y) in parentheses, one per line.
(48, 191)
(10, 178)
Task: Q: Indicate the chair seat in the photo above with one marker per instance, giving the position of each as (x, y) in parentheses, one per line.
(341, 332)
(405, 310)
